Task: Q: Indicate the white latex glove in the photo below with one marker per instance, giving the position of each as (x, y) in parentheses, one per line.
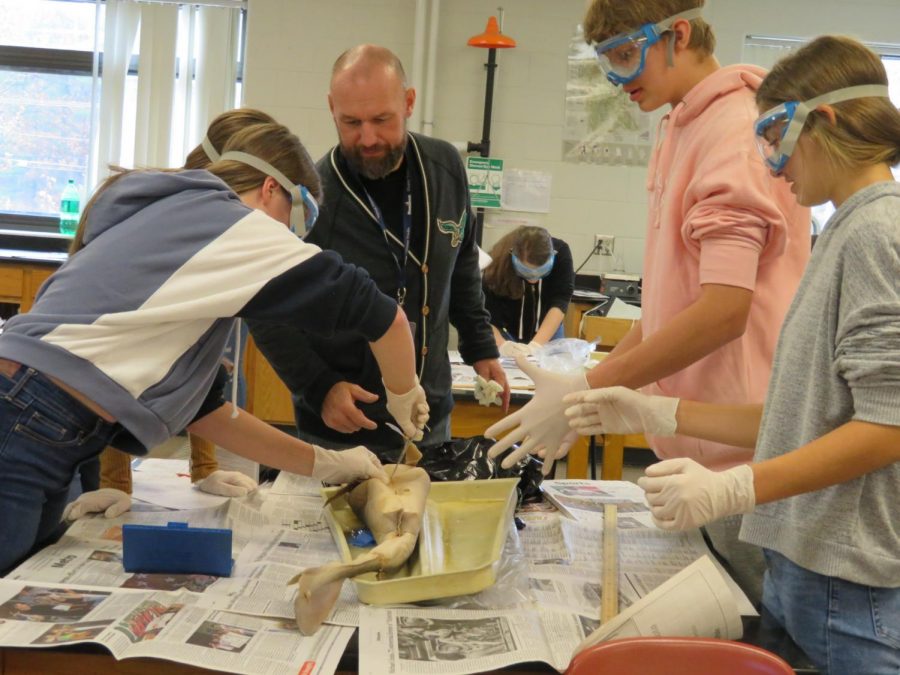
(227, 484)
(487, 392)
(619, 410)
(409, 409)
(346, 466)
(540, 424)
(512, 349)
(684, 494)
(109, 500)
(533, 347)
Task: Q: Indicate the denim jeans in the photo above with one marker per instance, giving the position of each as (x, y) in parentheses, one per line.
(845, 628)
(45, 434)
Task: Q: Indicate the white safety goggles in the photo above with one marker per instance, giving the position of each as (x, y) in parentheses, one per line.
(299, 194)
(778, 129)
(622, 57)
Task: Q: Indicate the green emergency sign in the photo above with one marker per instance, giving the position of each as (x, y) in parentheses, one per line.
(485, 181)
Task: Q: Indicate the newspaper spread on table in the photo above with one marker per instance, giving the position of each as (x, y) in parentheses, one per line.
(168, 625)
(545, 603)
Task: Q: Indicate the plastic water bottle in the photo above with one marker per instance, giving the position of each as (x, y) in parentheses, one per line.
(69, 209)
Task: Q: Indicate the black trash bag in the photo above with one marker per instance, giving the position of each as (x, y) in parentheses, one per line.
(467, 459)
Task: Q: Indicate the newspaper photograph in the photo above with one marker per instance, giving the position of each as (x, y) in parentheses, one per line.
(454, 642)
(695, 602)
(170, 626)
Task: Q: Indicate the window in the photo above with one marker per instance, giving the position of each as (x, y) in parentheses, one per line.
(54, 91)
(46, 85)
(765, 51)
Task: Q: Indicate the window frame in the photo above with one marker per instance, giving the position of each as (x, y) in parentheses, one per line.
(46, 61)
(52, 61)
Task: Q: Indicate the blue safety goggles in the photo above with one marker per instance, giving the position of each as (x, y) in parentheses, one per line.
(778, 129)
(312, 208)
(622, 57)
(530, 273)
(299, 194)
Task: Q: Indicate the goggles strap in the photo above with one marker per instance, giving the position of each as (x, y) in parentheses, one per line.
(666, 25)
(689, 14)
(262, 165)
(837, 96)
(847, 93)
(208, 148)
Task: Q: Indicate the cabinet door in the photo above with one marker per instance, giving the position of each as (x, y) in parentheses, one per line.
(267, 396)
(34, 278)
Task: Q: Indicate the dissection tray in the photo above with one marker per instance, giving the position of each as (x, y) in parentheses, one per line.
(463, 531)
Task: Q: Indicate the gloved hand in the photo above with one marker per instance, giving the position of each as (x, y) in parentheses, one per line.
(487, 392)
(540, 424)
(512, 349)
(684, 494)
(112, 502)
(409, 409)
(619, 410)
(533, 347)
(227, 484)
(346, 466)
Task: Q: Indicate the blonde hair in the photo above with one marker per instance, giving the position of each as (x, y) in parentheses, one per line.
(867, 129)
(270, 141)
(607, 18)
(530, 244)
(275, 144)
(221, 129)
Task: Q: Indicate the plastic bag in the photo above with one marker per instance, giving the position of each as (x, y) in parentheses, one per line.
(467, 459)
(564, 355)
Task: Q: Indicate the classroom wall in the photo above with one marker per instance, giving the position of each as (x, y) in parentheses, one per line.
(291, 45)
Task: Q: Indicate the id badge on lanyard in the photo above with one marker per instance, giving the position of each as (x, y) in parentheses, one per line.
(400, 264)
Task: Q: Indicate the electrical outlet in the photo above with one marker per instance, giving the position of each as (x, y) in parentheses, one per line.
(604, 244)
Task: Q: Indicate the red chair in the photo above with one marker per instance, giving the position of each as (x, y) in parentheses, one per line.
(676, 656)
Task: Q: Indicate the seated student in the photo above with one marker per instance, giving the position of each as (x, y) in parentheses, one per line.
(527, 288)
(114, 465)
(821, 493)
(124, 341)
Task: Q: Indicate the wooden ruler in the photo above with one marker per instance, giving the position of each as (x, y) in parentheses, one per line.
(609, 604)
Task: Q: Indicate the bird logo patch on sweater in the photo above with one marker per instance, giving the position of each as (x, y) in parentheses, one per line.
(456, 231)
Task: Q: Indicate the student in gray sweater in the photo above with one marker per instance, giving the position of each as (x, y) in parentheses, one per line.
(821, 495)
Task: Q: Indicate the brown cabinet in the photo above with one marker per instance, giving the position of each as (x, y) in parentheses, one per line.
(20, 281)
(267, 396)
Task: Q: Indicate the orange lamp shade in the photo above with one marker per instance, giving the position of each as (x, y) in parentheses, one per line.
(492, 38)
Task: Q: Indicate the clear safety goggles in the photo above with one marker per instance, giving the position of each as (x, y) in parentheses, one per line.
(299, 194)
(622, 57)
(530, 273)
(778, 129)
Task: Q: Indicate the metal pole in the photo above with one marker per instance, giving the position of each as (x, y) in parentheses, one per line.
(484, 147)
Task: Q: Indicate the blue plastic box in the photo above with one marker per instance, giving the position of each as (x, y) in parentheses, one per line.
(176, 549)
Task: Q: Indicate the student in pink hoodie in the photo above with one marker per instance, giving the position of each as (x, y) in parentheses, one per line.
(726, 245)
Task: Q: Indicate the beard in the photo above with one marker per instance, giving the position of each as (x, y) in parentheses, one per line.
(377, 167)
